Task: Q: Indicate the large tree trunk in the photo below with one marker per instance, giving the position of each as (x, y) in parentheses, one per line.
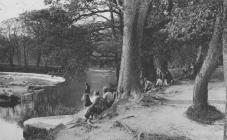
(225, 61)
(200, 93)
(148, 68)
(161, 58)
(161, 65)
(134, 19)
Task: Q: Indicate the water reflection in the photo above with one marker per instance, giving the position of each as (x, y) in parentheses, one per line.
(59, 100)
(10, 130)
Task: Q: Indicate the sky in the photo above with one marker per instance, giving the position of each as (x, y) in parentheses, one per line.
(12, 8)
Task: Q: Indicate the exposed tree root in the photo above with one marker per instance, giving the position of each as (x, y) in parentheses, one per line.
(147, 136)
(131, 116)
(126, 127)
(151, 99)
(78, 124)
(112, 111)
(109, 113)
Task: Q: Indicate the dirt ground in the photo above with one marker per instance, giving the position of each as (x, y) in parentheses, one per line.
(166, 118)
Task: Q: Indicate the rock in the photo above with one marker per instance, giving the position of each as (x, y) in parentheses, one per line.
(45, 126)
(48, 122)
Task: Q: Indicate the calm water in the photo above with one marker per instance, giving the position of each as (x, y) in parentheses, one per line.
(61, 100)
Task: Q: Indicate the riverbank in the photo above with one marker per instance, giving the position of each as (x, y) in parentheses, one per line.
(20, 98)
(46, 128)
(164, 119)
(161, 117)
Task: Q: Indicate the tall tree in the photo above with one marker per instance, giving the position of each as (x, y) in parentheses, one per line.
(135, 14)
(225, 60)
(200, 92)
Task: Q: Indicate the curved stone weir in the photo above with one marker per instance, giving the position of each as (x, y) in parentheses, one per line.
(15, 86)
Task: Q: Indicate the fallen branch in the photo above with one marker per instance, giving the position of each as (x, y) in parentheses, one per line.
(135, 134)
(140, 135)
(126, 127)
(128, 117)
(78, 124)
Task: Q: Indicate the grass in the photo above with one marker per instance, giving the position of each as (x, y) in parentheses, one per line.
(208, 116)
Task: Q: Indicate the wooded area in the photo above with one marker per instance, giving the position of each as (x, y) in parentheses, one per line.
(139, 39)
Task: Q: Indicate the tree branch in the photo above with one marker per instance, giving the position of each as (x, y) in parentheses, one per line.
(96, 12)
(170, 7)
(89, 14)
(150, 29)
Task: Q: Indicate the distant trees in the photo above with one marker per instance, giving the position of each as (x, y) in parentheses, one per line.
(11, 33)
(56, 40)
(104, 20)
(53, 30)
(3, 48)
(45, 26)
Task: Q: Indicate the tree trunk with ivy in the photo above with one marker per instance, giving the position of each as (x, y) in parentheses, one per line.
(135, 13)
(161, 65)
(198, 61)
(148, 67)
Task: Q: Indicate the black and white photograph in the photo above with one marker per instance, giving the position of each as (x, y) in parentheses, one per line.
(113, 69)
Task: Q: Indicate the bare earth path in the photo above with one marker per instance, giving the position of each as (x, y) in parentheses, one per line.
(168, 118)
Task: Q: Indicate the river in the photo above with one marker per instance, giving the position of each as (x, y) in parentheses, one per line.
(63, 99)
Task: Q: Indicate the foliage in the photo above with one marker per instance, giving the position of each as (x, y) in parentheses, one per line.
(188, 25)
(66, 34)
(60, 42)
(193, 22)
(3, 48)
